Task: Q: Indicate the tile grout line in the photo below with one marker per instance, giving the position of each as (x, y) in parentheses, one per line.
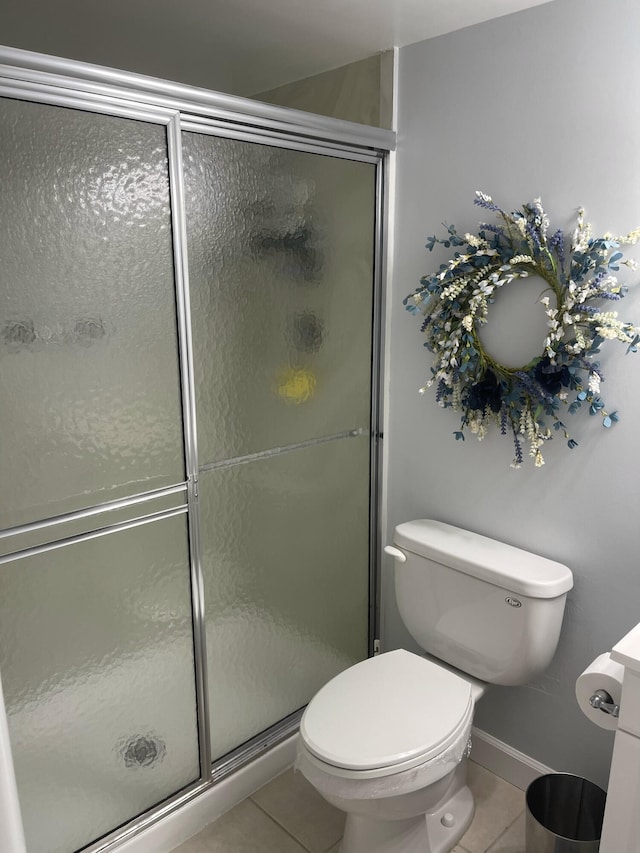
(505, 830)
(282, 827)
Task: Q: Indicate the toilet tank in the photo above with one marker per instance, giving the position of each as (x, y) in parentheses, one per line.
(486, 608)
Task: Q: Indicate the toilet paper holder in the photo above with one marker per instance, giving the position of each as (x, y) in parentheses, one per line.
(602, 700)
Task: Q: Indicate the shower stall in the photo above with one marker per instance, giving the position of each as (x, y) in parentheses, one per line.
(189, 344)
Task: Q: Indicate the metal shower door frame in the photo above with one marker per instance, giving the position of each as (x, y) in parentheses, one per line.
(59, 82)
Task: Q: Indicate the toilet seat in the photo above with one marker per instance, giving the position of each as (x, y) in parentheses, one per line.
(387, 714)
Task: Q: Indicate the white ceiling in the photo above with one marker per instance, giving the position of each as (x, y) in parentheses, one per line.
(238, 46)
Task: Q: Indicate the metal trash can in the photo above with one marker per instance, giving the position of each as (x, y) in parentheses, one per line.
(564, 815)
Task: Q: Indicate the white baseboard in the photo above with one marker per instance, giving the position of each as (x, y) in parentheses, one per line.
(188, 820)
(505, 761)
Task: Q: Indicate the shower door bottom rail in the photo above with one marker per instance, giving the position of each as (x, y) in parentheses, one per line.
(251, 749)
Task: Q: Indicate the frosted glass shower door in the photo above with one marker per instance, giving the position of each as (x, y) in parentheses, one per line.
(88, 344)
(97, 668)
(281, 252)
(96, 635)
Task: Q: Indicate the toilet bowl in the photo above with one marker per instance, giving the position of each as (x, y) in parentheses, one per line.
(386, 740)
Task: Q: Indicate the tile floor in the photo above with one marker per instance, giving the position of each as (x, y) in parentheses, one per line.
(288, 816)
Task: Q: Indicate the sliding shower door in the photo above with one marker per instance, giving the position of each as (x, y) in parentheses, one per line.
(281, 250)
(96, 639)
(186, 446)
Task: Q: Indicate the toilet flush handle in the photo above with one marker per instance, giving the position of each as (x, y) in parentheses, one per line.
(399, 555)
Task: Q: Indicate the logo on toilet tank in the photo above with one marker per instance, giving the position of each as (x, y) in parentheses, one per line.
(513, 602)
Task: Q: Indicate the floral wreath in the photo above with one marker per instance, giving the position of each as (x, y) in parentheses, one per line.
(455, 301)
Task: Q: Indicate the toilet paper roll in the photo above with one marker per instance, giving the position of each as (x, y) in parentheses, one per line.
(602, 674)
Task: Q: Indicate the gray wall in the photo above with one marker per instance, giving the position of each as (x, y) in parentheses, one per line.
(361, 91)
(539, 103)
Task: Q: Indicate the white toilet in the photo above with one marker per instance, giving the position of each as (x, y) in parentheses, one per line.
(385, 740)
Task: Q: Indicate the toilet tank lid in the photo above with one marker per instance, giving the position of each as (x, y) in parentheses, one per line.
(496, 562)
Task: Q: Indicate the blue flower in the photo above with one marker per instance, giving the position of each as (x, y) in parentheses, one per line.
(557, 243)
(485, 394)
(533, 235)
(551, 377)
(517, 459)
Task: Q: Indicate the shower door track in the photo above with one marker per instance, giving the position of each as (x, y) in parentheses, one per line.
(35, 77)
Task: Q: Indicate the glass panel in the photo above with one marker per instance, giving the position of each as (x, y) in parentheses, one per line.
(281, 271)
(285, 554)
(88, 353)
(98, 674)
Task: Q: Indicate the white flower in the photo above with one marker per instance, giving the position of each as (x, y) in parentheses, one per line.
(610, 283)
(484, 197)
(594, 383)
(474, 241)
(541, 219)
(607, 333)
(632, 237)
(582, 234)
